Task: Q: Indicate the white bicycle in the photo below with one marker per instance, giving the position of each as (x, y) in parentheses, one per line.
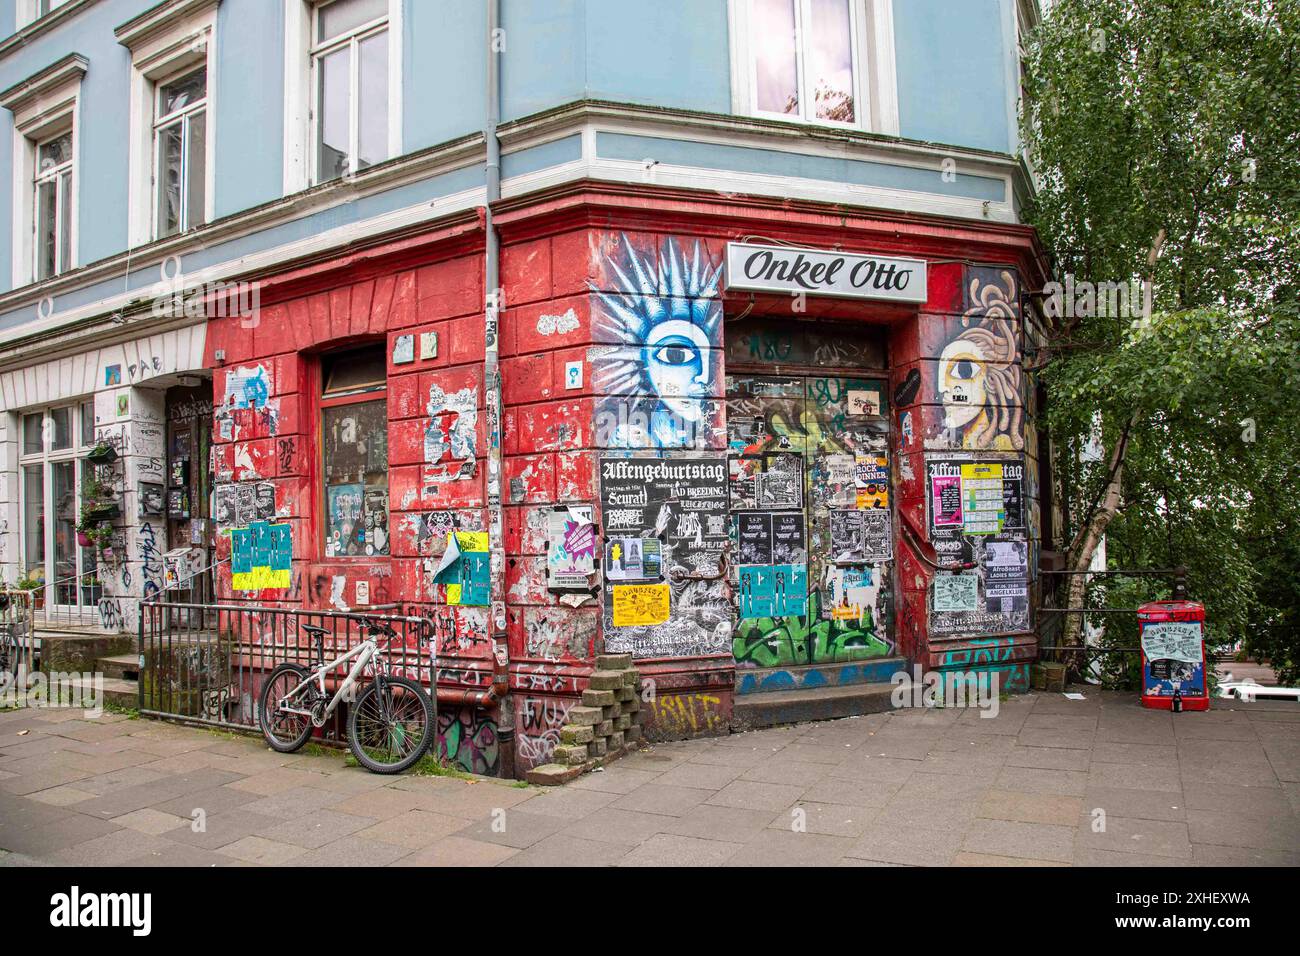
(390, 721)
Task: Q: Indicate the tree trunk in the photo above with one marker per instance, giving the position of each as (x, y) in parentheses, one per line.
(1089, 538)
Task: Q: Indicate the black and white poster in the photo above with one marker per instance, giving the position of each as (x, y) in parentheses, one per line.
(788, 538)
(1006, 575)
(780, 484)
(754, 537)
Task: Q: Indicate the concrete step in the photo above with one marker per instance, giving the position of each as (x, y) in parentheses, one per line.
(122, 666)
(751, 711)
(760, 680)
(123, 693)
(81, 652)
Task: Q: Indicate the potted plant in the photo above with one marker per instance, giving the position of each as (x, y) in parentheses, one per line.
(102, 454)
(93, 529)
(34, 584)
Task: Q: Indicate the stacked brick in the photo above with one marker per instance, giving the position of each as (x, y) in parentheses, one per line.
(606, 725)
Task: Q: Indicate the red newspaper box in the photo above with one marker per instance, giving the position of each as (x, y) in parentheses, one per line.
(1172, 635)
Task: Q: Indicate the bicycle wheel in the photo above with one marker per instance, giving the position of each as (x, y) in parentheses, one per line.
(283, 732)
(390, 726)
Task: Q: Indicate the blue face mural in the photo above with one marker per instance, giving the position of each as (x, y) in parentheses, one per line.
(661, 373)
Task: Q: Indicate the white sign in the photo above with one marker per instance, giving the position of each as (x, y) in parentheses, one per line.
(1172, 640)
(815, 272)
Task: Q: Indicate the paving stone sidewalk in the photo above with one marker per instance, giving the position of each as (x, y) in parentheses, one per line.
(939, 787)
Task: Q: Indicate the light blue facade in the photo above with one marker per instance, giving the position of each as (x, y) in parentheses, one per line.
(955, 79)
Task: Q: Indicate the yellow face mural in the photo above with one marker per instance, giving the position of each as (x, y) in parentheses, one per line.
(979, 372)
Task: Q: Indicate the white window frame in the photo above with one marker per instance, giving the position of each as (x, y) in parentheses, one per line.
(45, 459)
(43, 107)
(875, 79)
(182, 117)
(166, 43)
(65, 206)
(300, 87)
(29, 11)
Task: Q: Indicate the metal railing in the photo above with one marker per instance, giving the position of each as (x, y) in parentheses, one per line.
(17, 632)
(205, 663)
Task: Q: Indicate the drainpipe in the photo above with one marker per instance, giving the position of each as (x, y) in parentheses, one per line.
(493, 305)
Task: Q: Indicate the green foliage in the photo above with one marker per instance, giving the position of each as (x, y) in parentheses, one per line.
(1166, 135)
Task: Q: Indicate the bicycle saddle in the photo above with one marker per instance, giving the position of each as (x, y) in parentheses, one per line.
(314, 630)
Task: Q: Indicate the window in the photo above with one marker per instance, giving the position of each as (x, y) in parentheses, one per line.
(45, 108)
(816, 61)
(804, 59)
(354, 449)
(54, 473)
(180, 152)
(349, 63)
(52, 190)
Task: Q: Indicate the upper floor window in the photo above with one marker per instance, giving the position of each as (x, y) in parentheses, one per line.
(816, 61)
(349, 62)
(180, 149)
(52, 216)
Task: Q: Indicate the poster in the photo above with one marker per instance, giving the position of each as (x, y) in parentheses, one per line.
(261, 556)
(871, 481)
(463, 569)
(788, 538)
(982, 498)
(681, 501)
(849, 537)
(1172, 640)
(772, 590)
(877, 535)
(754, 537)
(376, 518)
(780, 484)
(945, 501)
(635, 604)
(245, 507)
(264, 500)
(226, 512)
(570, 549)
(633, 559)
(834, 481)
(852, 593)
(955, 592)
(743, 474)
(1006, 575)
(345, 531)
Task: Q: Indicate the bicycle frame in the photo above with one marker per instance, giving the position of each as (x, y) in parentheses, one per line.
(365, 652)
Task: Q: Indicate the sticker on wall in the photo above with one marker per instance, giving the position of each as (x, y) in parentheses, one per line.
(573, 374)
(570, 549)
(123, 404)
(247, 387)
(450, 437)
(112, 375)
(955, 592)
(637, 604)
(152, 501)
(403, 351)
(863, 401)
(428, 345)
(362, 593)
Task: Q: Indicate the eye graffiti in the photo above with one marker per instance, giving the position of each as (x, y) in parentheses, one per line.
(979, 372)
(661, 376)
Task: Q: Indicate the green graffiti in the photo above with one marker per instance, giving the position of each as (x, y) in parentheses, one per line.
(784, 641)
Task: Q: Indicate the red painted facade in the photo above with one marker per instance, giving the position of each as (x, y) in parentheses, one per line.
(552, 271)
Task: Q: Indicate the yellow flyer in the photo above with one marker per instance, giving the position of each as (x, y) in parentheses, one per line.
(640, 604)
